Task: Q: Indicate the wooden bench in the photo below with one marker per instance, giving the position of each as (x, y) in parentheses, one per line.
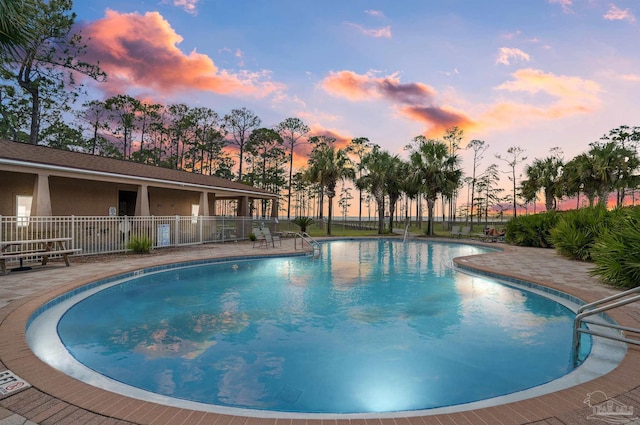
(34, 248)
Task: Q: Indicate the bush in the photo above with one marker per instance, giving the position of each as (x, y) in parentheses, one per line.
(252, 237)
(532, 230)
(302, 222)
(577, 230)
(141, 245)
(616, 252)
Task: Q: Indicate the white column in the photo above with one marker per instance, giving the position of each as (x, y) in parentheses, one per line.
(142, 201)
(41, 204)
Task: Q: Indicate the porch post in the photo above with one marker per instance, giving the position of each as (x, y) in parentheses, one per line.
(41, 196)
(142, 201)
(243, 206)
(204, 204)
(213, 210)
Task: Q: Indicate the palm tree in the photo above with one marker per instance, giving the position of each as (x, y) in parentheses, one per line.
(377, 164)
(395, 186)
(544, 174)
(327, 166)
(359, 147)
(435, 170)
(614, 167)
(16, 29)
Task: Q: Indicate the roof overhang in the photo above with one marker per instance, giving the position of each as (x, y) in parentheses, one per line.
(22, 166)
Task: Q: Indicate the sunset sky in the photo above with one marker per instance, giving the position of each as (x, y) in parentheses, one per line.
(535, 74)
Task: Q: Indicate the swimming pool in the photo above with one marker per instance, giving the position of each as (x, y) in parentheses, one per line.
(406, 332)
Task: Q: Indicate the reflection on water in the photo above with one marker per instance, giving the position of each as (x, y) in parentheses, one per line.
(373, 326)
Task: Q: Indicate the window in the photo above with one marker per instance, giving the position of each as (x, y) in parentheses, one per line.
(23, 210)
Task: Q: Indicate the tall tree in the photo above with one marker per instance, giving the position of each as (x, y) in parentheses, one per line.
(435, 170)
(613, 167)
(265, 145)
(122, 113)
(578, 176)
(513, 158)
(627, 139)
(44, 66)
(488, 191)
(395, 187)
(453, 138)
(95, 114)
(293, 131)
(479, 147)
(544, 174)
(359, 147)
(377, 164)
(240, 123)
(328, 166)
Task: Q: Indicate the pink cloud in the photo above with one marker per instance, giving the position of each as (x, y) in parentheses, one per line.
(616, 14)
(384, 32)
(376, 13)
(570, 96)
(357, 87)
(141, 52)
(416, 101)
(188, 5)
(508, 54)
(437, 119)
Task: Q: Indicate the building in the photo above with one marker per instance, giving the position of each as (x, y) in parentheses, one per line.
(42, 181)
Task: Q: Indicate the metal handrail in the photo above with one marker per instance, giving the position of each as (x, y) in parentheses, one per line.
(606, 304)
(304, 236)
(406, 233)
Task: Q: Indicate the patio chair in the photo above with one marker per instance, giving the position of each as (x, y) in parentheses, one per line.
(260, 237)
(465, 231)
(271, 238)
(455, 231)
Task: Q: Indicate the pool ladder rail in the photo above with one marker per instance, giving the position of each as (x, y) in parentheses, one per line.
(304, 237)
(600, 306)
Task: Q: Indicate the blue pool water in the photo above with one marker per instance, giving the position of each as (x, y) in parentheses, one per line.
(371, 326)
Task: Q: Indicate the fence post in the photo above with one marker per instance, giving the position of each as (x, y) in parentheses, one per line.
(176, 231)
(200, 220)
(73, 231)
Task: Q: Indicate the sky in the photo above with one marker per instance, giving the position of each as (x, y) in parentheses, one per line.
(536, 74)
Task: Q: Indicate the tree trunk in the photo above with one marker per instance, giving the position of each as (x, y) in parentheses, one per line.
(430, 206)
(329, 214)
(380, 202)
(35, 116)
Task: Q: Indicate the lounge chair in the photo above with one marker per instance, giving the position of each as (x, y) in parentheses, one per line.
(455, 231)
(260, 237)
(465, 231)
(271, 238)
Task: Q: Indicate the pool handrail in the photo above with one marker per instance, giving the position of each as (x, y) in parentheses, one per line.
(606, 304)
(304, 237)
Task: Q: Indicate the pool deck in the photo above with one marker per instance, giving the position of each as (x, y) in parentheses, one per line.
(57, 399)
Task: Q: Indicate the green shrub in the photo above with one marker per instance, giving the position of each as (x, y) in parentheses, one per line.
(141, 245)
(616, 252)
(302, 222)
(532, 230)
(252, 237)
(577, 230)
